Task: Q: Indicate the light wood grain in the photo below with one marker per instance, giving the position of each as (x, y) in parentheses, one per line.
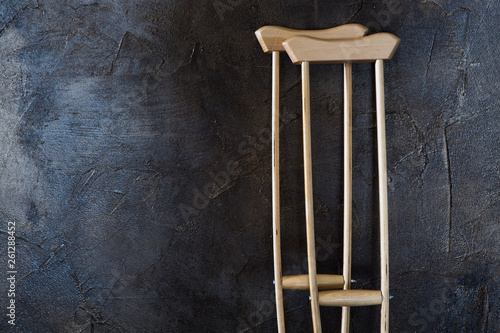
(271, 37)
(311, 247)
(304, 50)
(350, 297)
(347, 189)
(301, 282)
(383, 203)
(280, 312)
(364, 49)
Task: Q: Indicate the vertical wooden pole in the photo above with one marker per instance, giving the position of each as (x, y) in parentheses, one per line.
(311, 248)
(382, 181)
(347, 188)
(278, 288)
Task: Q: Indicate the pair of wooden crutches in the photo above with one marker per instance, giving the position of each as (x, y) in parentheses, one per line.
(345, 44)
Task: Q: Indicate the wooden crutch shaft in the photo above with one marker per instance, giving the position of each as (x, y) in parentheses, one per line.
(311, 248)
(383, 203)
(347, 189)
(278, 287)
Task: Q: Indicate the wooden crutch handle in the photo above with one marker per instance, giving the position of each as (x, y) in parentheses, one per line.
(271, 37)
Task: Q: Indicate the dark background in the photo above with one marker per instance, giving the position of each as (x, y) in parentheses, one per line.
(117, 117)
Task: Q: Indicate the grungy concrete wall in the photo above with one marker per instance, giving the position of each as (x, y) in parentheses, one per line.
(135, 163)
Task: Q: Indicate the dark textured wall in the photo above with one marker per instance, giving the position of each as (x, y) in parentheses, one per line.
(135, 162)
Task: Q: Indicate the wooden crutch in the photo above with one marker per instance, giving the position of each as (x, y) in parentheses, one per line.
(375, 48)
(271, 39)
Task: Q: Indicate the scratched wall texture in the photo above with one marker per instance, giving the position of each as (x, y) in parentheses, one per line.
(135, 161)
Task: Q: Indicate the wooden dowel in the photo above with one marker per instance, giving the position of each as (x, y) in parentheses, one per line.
(301, 282)
(311, 248)
(278, 287)
(347, 298)
(347, 188)
(382, 181)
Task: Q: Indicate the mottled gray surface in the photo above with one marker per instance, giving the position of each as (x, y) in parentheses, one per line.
(117, 117)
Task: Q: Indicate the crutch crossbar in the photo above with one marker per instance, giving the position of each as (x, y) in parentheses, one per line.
(301, 282)
(353, 297)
